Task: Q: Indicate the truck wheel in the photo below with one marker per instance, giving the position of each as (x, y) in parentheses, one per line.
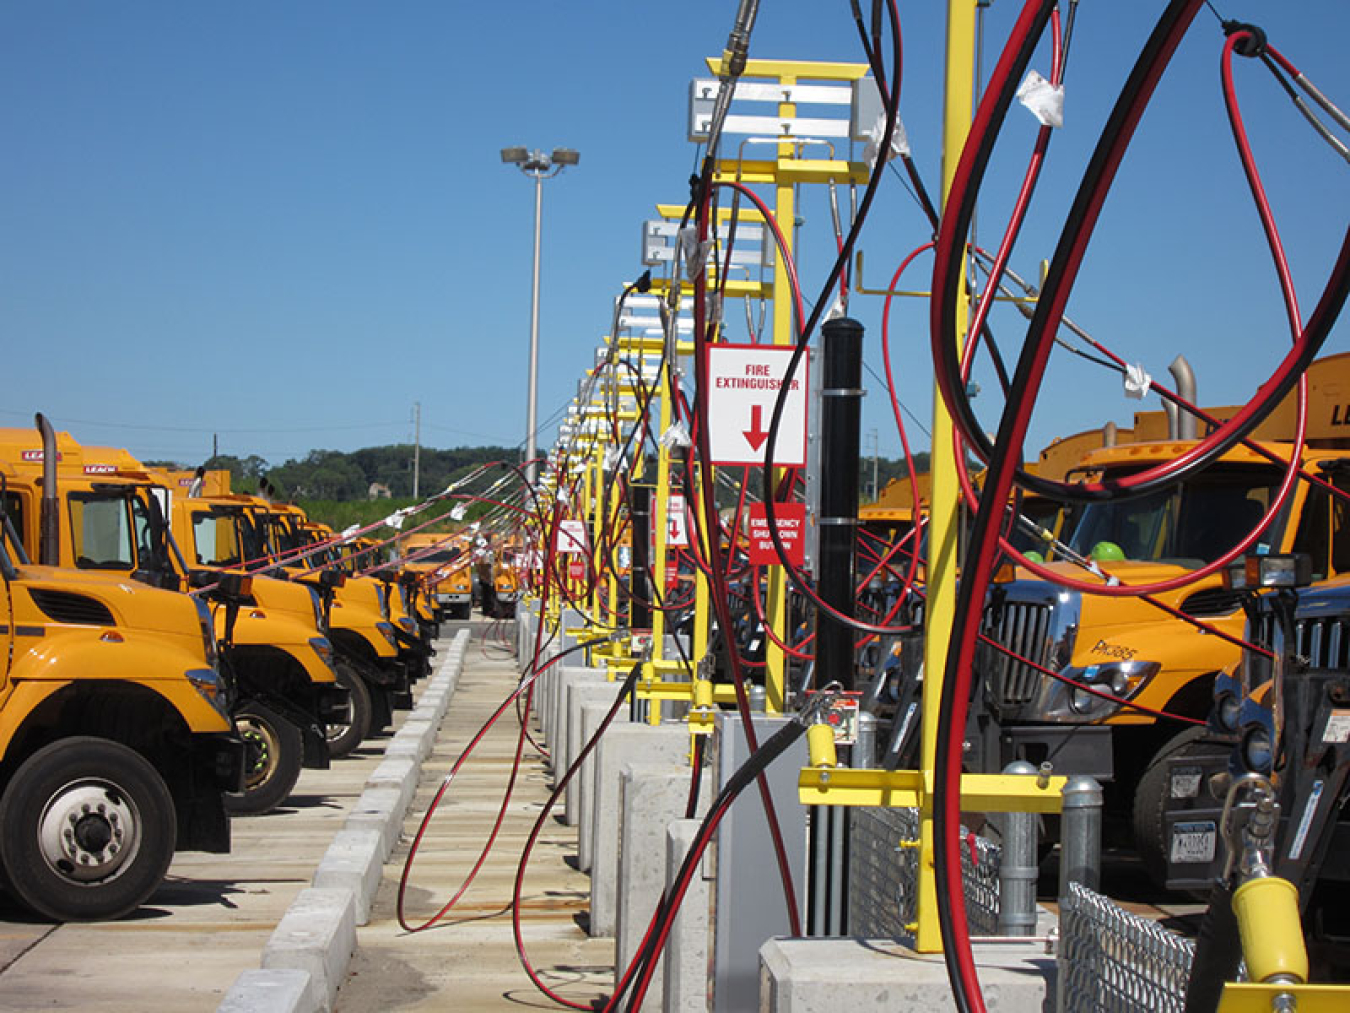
(343, 738)
(1150, 799)
(87, 830)
(275, 749)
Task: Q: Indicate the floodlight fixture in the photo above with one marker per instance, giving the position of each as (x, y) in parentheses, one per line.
(565, 156)
(514, 156)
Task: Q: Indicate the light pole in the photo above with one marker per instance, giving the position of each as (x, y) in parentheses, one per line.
(541, 167)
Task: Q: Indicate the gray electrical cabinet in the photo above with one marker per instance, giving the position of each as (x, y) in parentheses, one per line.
(747, 897)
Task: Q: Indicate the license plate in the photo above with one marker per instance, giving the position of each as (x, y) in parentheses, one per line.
(1193, 843)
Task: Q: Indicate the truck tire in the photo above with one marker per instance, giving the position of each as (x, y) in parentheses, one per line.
(1150, 798)
(343, 738)
(275, 749)
(87, 830)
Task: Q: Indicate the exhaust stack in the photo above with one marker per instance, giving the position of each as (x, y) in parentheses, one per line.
(49, 535)
(1181, 424)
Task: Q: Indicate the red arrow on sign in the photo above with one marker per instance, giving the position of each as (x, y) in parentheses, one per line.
(755, 435)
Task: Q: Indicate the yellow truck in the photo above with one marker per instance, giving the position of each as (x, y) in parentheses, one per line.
(445, 562)
(116, 742)
(1130, 648)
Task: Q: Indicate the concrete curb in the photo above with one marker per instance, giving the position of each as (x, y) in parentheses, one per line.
(307, 957)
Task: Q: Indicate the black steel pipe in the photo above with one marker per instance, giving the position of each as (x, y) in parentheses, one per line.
(640, 583)
(840, 414)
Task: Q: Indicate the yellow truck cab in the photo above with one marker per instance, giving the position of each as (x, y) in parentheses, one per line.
(1135, 650)
(506, 581)
(444, 560)
(116, 742)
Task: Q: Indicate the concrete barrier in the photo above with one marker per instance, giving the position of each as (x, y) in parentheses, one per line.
(280, 991)
(354, 861)
(318, 935)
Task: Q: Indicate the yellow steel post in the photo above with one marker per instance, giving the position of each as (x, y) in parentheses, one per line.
(784, 333)
(943, 504)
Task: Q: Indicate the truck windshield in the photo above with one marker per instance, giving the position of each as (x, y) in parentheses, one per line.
(440, 556)
(104, 529)
(215, 540)
(1188, 525)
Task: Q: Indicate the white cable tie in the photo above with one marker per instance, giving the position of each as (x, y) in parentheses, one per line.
(899, 140)
(1137, 381)
(395, 519)
(837, 308)
(1045, 100)
(613, 455)
(677, 436)
(349, 533)
(457, 514)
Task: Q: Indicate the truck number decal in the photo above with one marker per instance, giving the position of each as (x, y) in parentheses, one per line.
(1114, 651)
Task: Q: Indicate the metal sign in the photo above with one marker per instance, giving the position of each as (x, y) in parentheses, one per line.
(743, 384)
(677, 528)
(571, 537)
(790, 520)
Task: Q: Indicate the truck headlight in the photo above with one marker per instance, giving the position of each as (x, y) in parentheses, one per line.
(208, 628)
(388, 630)
(211, 686)
(1256, 742)
(323, 648)
(1120, 679)
(317, 603)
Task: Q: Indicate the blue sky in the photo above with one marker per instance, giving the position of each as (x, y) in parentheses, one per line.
(286, 222)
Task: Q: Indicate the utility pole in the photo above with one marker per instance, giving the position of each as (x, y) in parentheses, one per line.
(417, 445)
(876, 449)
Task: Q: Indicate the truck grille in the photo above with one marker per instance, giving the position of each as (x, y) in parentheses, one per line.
(1023, 628)
(1322, 641)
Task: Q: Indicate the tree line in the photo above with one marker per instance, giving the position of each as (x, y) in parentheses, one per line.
(339, 476)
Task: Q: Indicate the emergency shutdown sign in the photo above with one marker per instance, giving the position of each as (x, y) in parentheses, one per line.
(743, 384)
(790, 520)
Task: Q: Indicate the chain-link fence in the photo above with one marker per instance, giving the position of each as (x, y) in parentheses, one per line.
(883, 871)
(1116, 962)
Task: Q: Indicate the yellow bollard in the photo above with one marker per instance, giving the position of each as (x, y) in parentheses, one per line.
(1272, 934)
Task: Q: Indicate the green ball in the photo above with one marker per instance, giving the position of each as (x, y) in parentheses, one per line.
(1107, 552)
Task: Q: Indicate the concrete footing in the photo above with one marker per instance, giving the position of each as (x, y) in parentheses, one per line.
(872, 976)
(591, 716)
(652, 797)
(580, 694)
(620, 746)
(686, 956)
